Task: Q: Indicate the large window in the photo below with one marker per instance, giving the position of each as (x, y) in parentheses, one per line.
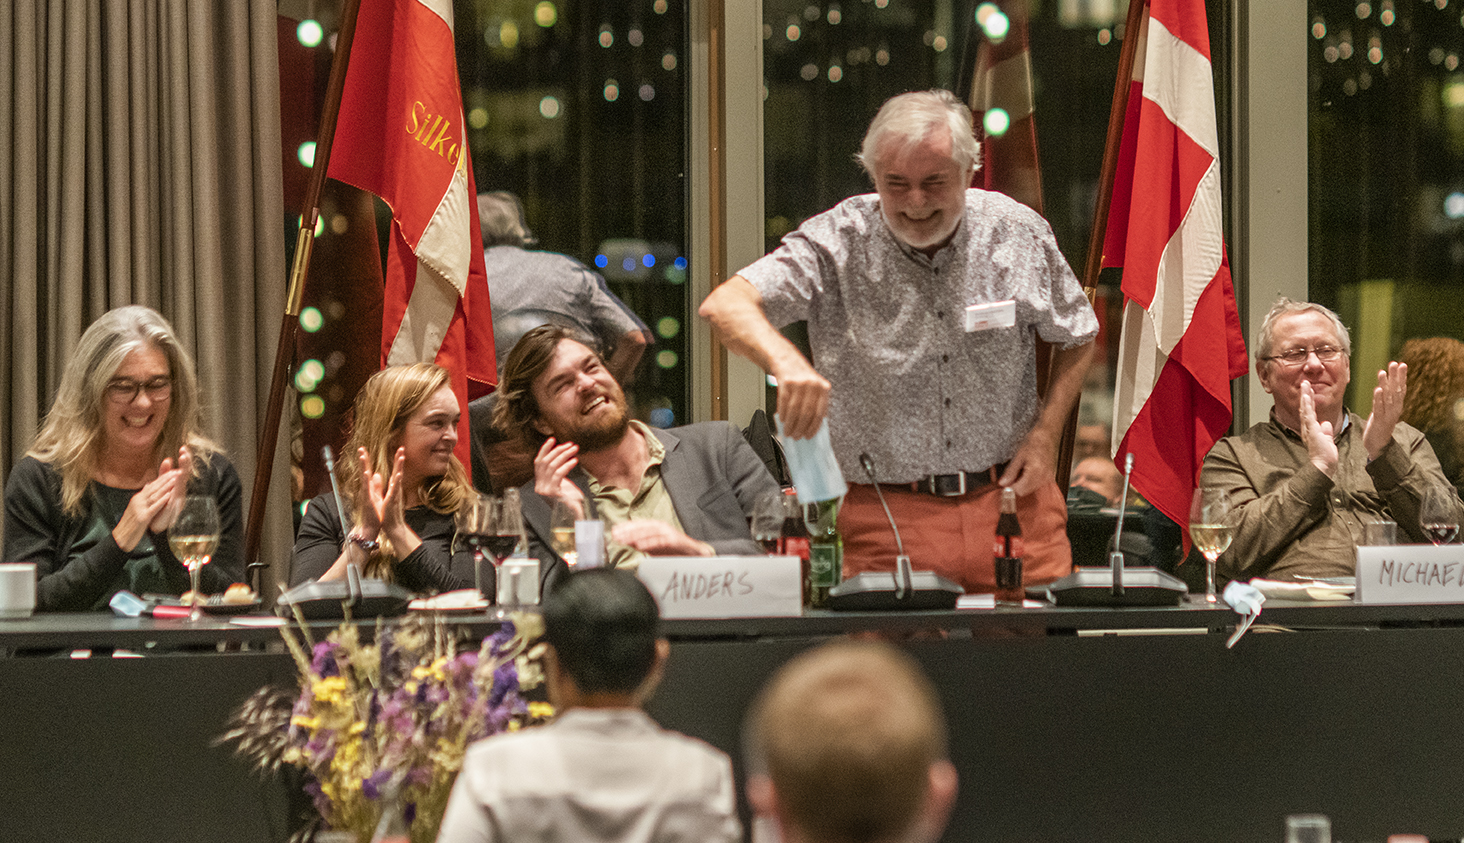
(1386, 198)
(579, 107)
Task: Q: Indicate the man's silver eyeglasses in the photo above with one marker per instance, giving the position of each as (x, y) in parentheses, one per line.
(1297, 356)
(124, 390)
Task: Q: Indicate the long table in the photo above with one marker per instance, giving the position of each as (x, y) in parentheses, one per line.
(1066, 724)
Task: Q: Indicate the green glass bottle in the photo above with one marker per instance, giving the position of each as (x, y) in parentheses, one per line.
(825, 550)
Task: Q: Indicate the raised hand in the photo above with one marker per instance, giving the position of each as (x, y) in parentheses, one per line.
(1321, 446)
(178, 490)
(1387, 408)
(552, 466)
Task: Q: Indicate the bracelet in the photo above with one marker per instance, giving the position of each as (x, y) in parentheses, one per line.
(368, 545)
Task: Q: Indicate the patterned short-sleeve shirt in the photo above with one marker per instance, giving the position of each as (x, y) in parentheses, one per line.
(886, 324)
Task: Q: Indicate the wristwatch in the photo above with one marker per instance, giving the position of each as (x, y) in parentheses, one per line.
(368, 545)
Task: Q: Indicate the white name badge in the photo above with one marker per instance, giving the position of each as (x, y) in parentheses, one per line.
(984, 317)
(1411, 573)
(724, 586)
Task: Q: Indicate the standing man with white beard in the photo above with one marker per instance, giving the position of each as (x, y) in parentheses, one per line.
(688, 491)
(924, 301)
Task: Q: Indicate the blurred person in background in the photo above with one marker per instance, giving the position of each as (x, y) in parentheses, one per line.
(847, 744)
(92, 500)
(603, 770)
(1435, 400)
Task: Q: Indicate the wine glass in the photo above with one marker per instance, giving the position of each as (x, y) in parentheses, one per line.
(561, 532)
(475, 521)
(508, 536)
(1209, 531)
(193, 538)
(1439, 515)
(767, 520)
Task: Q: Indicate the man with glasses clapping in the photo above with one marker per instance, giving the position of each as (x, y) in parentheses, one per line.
(1302, 483)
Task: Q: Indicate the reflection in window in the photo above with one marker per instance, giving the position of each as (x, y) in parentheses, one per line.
(1386, 192)
(579, 107)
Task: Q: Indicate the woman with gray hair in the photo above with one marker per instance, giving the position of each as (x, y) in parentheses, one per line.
(92, 500)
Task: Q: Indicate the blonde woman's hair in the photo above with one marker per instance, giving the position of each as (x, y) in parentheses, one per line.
(72, 437)
(383, 406)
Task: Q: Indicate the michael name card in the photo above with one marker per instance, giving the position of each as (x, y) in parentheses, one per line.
(724, 586)
(1411, 573)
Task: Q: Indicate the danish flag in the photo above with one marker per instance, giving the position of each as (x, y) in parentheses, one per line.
(1181, 342)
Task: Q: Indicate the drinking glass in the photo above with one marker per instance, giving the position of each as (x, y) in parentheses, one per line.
(475, 521)
(767, 520)
(1439, 515)
(193, 539)
(1209, 531)
(561, 529)
(508, 535)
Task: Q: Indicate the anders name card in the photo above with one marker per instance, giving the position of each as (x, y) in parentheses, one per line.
(1410, 573)
(725, 586)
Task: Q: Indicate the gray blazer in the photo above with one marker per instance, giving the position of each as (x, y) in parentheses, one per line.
(713, 476)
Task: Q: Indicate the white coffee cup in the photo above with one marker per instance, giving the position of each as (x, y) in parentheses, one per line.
(17, 589)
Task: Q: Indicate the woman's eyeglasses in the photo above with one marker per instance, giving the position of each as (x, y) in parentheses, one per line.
(125, 390)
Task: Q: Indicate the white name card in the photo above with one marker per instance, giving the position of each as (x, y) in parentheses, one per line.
(1411, 573)
(724, 586)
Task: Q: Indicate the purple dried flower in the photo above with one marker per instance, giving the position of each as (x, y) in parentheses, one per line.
(371, 785)
(324, 661)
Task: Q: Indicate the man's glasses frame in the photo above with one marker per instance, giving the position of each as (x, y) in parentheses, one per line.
(1297, 356)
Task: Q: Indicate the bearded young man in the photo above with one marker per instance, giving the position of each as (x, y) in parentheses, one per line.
(687, 491)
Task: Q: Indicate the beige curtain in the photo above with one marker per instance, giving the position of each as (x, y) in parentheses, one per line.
(140, 163)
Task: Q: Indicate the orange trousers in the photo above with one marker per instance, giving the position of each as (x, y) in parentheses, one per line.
(954, 536)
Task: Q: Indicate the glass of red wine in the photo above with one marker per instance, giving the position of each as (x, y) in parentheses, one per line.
(508, 539)
(1438, 514)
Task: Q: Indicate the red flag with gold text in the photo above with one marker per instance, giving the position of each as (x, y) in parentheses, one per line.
(401, 134)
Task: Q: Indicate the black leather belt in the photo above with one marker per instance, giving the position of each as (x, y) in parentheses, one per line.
(953, 485)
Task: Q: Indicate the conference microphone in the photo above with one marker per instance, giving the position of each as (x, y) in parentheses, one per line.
(902, 560)
(1117, 585)
(903, 588)
(1115, 556)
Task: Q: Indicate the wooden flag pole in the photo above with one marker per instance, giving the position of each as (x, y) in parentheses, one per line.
(1109, 169)
(299, 271)
(1106, 175)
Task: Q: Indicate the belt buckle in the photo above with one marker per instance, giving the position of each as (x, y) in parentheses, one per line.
(939, 484)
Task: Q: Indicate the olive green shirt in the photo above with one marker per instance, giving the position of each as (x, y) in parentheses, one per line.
(1292, 521)
(650, 501)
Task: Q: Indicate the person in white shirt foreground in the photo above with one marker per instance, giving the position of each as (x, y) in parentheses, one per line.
(602, 770)
(847, 744)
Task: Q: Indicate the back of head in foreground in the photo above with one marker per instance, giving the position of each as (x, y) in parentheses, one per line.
(604, 628)
(847, 744)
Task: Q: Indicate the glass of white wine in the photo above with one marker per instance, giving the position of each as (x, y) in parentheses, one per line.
(1210, 531)
(1438, 514)
(561, 529)
(193, 538)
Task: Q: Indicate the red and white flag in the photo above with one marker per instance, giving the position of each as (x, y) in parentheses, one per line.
(1003, 80)
(401, 134)
(1181, 342)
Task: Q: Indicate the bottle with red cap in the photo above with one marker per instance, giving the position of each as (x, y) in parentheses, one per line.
(1008, 552)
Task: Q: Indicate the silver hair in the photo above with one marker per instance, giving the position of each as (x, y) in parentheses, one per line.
(1287, 307)
(910, 118)
(501, 220)
(73, 437)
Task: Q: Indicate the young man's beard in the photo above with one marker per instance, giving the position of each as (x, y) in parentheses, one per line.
(602, 432)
